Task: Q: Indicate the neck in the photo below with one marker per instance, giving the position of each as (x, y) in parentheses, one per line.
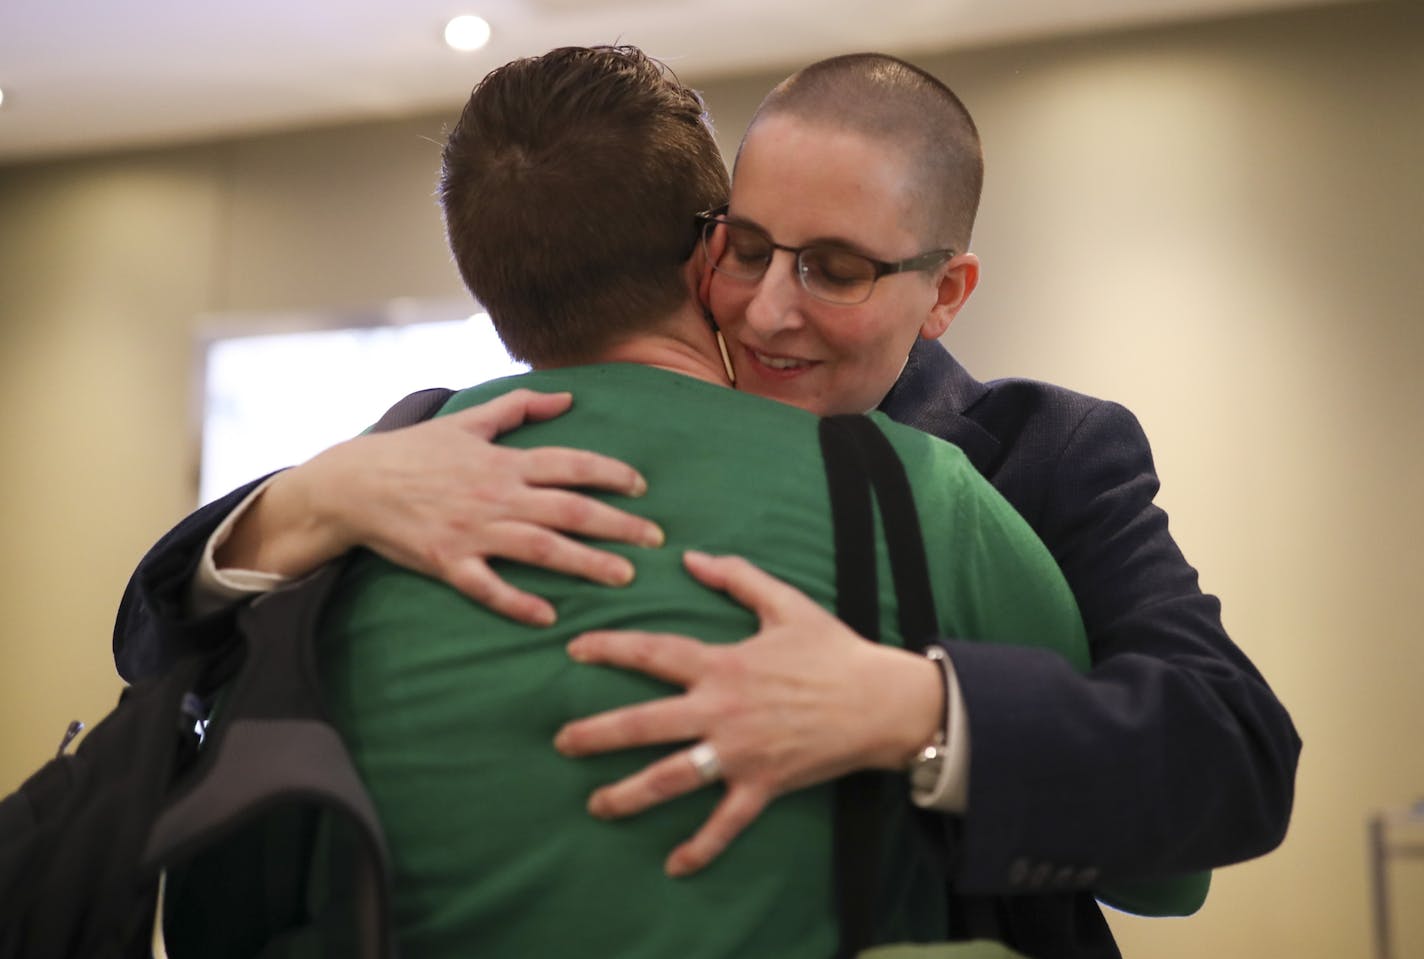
(684, 343)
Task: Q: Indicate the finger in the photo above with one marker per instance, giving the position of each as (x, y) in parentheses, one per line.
(673, 659)
(671, 719)
(668, 778)
(737, 810)
(553, 466)
(586, 516)
(473, 577)
(561, 466)
(546, 549)
(504, 413)
(760, 592)
(545, 406)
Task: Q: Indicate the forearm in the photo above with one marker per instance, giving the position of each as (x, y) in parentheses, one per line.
(438, 497)
(1140, 768)
(283, 531)
(212, 589)
(904, 699)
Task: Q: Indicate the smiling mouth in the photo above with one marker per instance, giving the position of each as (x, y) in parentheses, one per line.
(781, 364)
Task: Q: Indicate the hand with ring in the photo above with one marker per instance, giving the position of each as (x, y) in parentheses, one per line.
(802, 701)
(704, 759)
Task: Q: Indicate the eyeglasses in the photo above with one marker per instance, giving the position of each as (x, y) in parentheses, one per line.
(828, 272)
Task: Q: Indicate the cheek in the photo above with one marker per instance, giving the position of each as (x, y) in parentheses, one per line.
(857, 337)
(727, 301)
(868, 346)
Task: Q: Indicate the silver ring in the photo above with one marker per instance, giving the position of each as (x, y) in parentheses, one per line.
(705, 760)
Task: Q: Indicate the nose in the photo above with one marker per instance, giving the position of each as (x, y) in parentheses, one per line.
(775, 305)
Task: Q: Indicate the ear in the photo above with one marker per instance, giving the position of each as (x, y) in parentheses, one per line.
(710, 252)
(957, 281)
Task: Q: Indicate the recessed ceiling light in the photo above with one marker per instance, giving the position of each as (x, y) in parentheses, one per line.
(467, 33)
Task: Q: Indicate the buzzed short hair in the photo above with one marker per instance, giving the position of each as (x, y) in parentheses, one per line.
(570, 187)
(886, 99)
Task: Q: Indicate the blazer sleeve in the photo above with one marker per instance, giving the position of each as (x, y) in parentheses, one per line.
(152, 628)
(1170, 755)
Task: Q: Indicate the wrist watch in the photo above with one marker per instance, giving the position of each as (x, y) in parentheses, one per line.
(925, 766)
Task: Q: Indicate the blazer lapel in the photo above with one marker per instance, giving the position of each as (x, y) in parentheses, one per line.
(932, 395)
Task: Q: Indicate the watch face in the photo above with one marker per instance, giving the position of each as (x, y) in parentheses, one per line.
(925, 768)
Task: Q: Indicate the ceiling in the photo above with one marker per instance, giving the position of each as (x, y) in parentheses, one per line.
(87, 75)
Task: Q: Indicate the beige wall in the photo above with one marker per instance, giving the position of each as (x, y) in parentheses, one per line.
(1219, 226)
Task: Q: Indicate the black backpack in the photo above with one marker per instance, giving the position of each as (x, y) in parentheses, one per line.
(85, 840)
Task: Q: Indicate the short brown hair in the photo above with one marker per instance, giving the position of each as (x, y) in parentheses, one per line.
(570, 187)
(885, 98)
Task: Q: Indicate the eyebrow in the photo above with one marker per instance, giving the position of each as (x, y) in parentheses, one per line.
(836, 242)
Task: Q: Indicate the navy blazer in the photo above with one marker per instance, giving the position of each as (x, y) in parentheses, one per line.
(1170, 755)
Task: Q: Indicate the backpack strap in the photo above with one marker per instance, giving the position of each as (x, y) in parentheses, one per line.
(913, 593)
(856, 848)
(858, 459)
(853, 530)
(273, 742)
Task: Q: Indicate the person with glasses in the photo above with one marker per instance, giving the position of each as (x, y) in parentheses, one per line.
(1170, 755)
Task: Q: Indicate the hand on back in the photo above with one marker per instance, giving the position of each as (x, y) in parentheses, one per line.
(443, 499)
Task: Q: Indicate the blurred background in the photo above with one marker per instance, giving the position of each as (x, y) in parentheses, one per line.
(1211, 211)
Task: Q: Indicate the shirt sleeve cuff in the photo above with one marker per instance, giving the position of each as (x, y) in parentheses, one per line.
(951, 792)
(212, 589)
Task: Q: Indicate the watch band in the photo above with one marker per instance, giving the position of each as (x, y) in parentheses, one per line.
(926, 765)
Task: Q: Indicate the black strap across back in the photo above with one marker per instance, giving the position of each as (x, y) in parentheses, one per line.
(859, 459)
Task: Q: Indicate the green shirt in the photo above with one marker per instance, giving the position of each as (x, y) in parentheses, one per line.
(451, 710)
